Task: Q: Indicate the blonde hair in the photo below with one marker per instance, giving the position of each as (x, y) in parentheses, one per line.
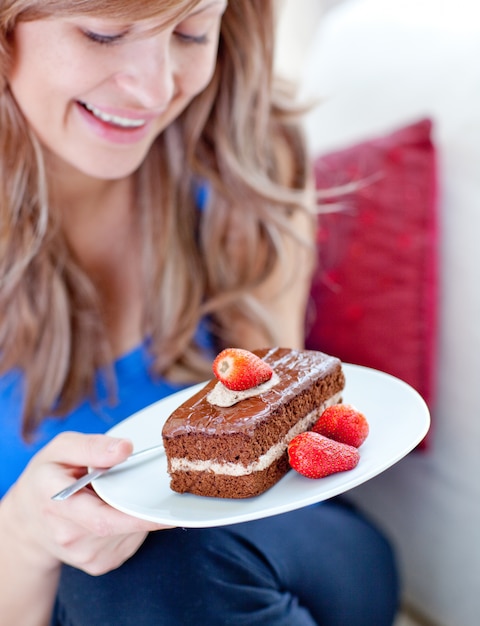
(201, 263)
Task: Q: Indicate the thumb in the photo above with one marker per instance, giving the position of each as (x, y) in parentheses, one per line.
(77, 449)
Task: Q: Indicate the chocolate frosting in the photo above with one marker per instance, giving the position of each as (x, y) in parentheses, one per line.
(296, 369)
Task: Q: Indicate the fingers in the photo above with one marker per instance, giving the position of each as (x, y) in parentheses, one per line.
(85, 509)
(96, 560)
(99, 518)
(94, 537)
(83, 531)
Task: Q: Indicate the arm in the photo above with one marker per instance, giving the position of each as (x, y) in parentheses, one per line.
(38, 534)
(28, 581)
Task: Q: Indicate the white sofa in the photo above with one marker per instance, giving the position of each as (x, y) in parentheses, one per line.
(376, 65)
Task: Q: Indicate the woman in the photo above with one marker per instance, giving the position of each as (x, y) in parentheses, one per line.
(155, 206)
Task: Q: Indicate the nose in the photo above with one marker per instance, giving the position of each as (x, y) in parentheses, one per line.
(148, 74)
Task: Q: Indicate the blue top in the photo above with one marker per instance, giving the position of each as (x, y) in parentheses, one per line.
(136, 390)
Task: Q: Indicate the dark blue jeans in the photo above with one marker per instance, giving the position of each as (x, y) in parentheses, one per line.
(319, 566)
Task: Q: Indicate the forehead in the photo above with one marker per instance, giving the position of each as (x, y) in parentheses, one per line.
(130, 10)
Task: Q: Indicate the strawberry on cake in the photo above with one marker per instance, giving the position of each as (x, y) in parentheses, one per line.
(230, 439)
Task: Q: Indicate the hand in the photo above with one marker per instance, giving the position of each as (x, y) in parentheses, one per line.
(82, 531)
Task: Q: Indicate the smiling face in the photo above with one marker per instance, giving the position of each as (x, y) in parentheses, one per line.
(98, 92)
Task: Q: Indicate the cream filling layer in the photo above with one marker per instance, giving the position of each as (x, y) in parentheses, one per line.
(274, 453)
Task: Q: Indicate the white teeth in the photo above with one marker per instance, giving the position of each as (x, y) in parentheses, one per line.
(123, 122)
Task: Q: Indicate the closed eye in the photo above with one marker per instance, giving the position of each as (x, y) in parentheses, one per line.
(194, 39)
(103, 39)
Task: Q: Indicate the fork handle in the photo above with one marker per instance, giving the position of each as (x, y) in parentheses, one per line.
(79, 484)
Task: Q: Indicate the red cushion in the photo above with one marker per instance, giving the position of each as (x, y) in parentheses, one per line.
(374, 295)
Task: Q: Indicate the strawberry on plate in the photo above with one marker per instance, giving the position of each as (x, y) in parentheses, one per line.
(316, 456)
(240, 369)
(344, 423)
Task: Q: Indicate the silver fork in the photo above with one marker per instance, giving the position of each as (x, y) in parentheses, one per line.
(95, 473)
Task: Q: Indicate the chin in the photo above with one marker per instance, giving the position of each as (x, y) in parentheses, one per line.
(109, 173)
(109, 167)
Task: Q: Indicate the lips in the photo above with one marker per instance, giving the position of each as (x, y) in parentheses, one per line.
(115, 120)
(116, 126)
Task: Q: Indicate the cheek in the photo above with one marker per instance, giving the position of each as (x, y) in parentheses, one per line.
(31, 80)
(197, 71)
(48, 68)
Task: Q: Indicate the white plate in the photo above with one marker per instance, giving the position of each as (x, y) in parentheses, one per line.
(398, 419)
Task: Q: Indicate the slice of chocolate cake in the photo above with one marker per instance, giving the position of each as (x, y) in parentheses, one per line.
(240, 451)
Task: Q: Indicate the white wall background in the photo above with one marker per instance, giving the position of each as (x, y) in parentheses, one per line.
(297, 25)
